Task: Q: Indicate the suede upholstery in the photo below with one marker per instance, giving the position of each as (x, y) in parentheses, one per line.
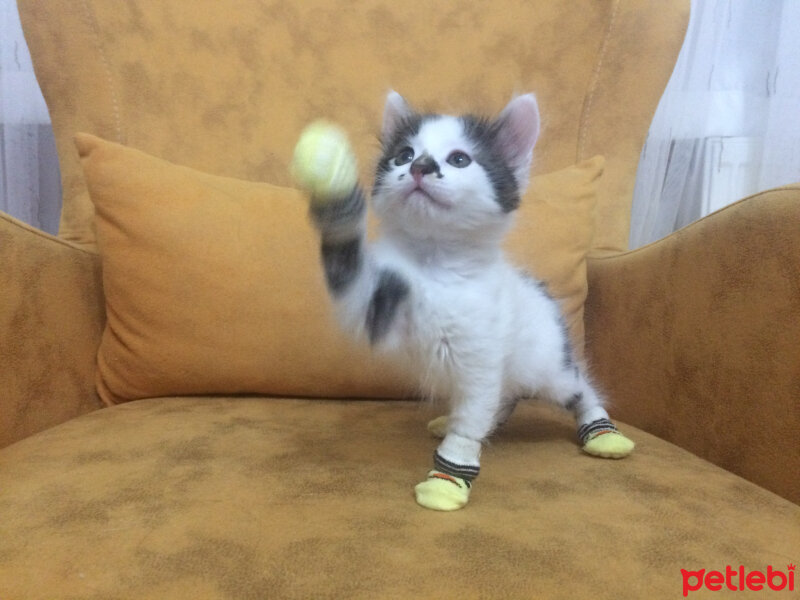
(706, 351)
(52, 314)
(226, 90)
(258, 498)
(267, 497)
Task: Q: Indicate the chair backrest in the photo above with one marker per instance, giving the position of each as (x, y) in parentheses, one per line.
(226, 86)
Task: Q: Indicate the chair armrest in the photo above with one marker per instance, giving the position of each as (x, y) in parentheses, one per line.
(696, 337)
(51, 318)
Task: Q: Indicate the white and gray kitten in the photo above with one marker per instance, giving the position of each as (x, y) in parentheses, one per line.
(436, 291)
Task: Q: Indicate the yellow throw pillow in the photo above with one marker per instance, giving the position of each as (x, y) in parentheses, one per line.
(214, 286)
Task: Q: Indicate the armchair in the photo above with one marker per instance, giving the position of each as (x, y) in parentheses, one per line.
(261, 495)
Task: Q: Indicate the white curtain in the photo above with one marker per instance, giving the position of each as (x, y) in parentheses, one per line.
(728, 124)
(30, 187)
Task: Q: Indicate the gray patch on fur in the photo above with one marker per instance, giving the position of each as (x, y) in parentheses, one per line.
(342, 261)
(573, 402)
(483, 134)
(391, 290)
(407, 129)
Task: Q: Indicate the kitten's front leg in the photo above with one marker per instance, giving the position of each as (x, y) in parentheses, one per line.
(457, 459)
(367, 295)
(341, 225)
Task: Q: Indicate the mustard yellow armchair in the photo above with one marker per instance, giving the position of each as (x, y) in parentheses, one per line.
(242, 495)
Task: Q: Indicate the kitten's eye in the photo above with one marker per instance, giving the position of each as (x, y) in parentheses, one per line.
(459, 159)
(405, 156)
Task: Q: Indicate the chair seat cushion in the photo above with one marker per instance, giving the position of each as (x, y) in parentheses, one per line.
(266, 498)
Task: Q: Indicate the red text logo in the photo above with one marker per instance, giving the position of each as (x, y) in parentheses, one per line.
(738, 579)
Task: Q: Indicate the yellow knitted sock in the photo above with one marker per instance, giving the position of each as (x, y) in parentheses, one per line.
(601, 438)
(442, 492)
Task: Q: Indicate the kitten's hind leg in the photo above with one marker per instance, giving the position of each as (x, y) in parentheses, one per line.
(438, 427)
(506, 410)
(597, 434)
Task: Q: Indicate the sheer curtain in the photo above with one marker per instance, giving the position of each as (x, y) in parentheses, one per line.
(30, 187)
(728, 124)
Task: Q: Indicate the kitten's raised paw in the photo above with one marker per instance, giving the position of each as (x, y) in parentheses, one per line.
(610, 444)
(324, 162)
(442, 492)
(438, 426)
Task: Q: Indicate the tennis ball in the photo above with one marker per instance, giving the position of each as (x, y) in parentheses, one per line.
(323, 161)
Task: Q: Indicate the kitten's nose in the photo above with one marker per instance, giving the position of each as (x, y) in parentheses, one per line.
(423, 165)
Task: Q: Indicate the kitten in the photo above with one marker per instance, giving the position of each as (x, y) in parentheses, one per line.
(436, 292)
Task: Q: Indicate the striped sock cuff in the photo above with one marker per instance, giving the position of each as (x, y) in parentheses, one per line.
(465, 472)
(592, 430)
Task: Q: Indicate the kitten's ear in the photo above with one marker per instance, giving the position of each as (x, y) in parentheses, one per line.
(395, 112)
(517, 131)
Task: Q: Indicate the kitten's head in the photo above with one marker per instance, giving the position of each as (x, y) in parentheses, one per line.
(453, 177)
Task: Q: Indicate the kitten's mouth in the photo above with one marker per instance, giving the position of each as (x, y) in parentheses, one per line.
(420, 193)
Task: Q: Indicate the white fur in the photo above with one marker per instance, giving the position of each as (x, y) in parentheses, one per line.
(473, 330)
